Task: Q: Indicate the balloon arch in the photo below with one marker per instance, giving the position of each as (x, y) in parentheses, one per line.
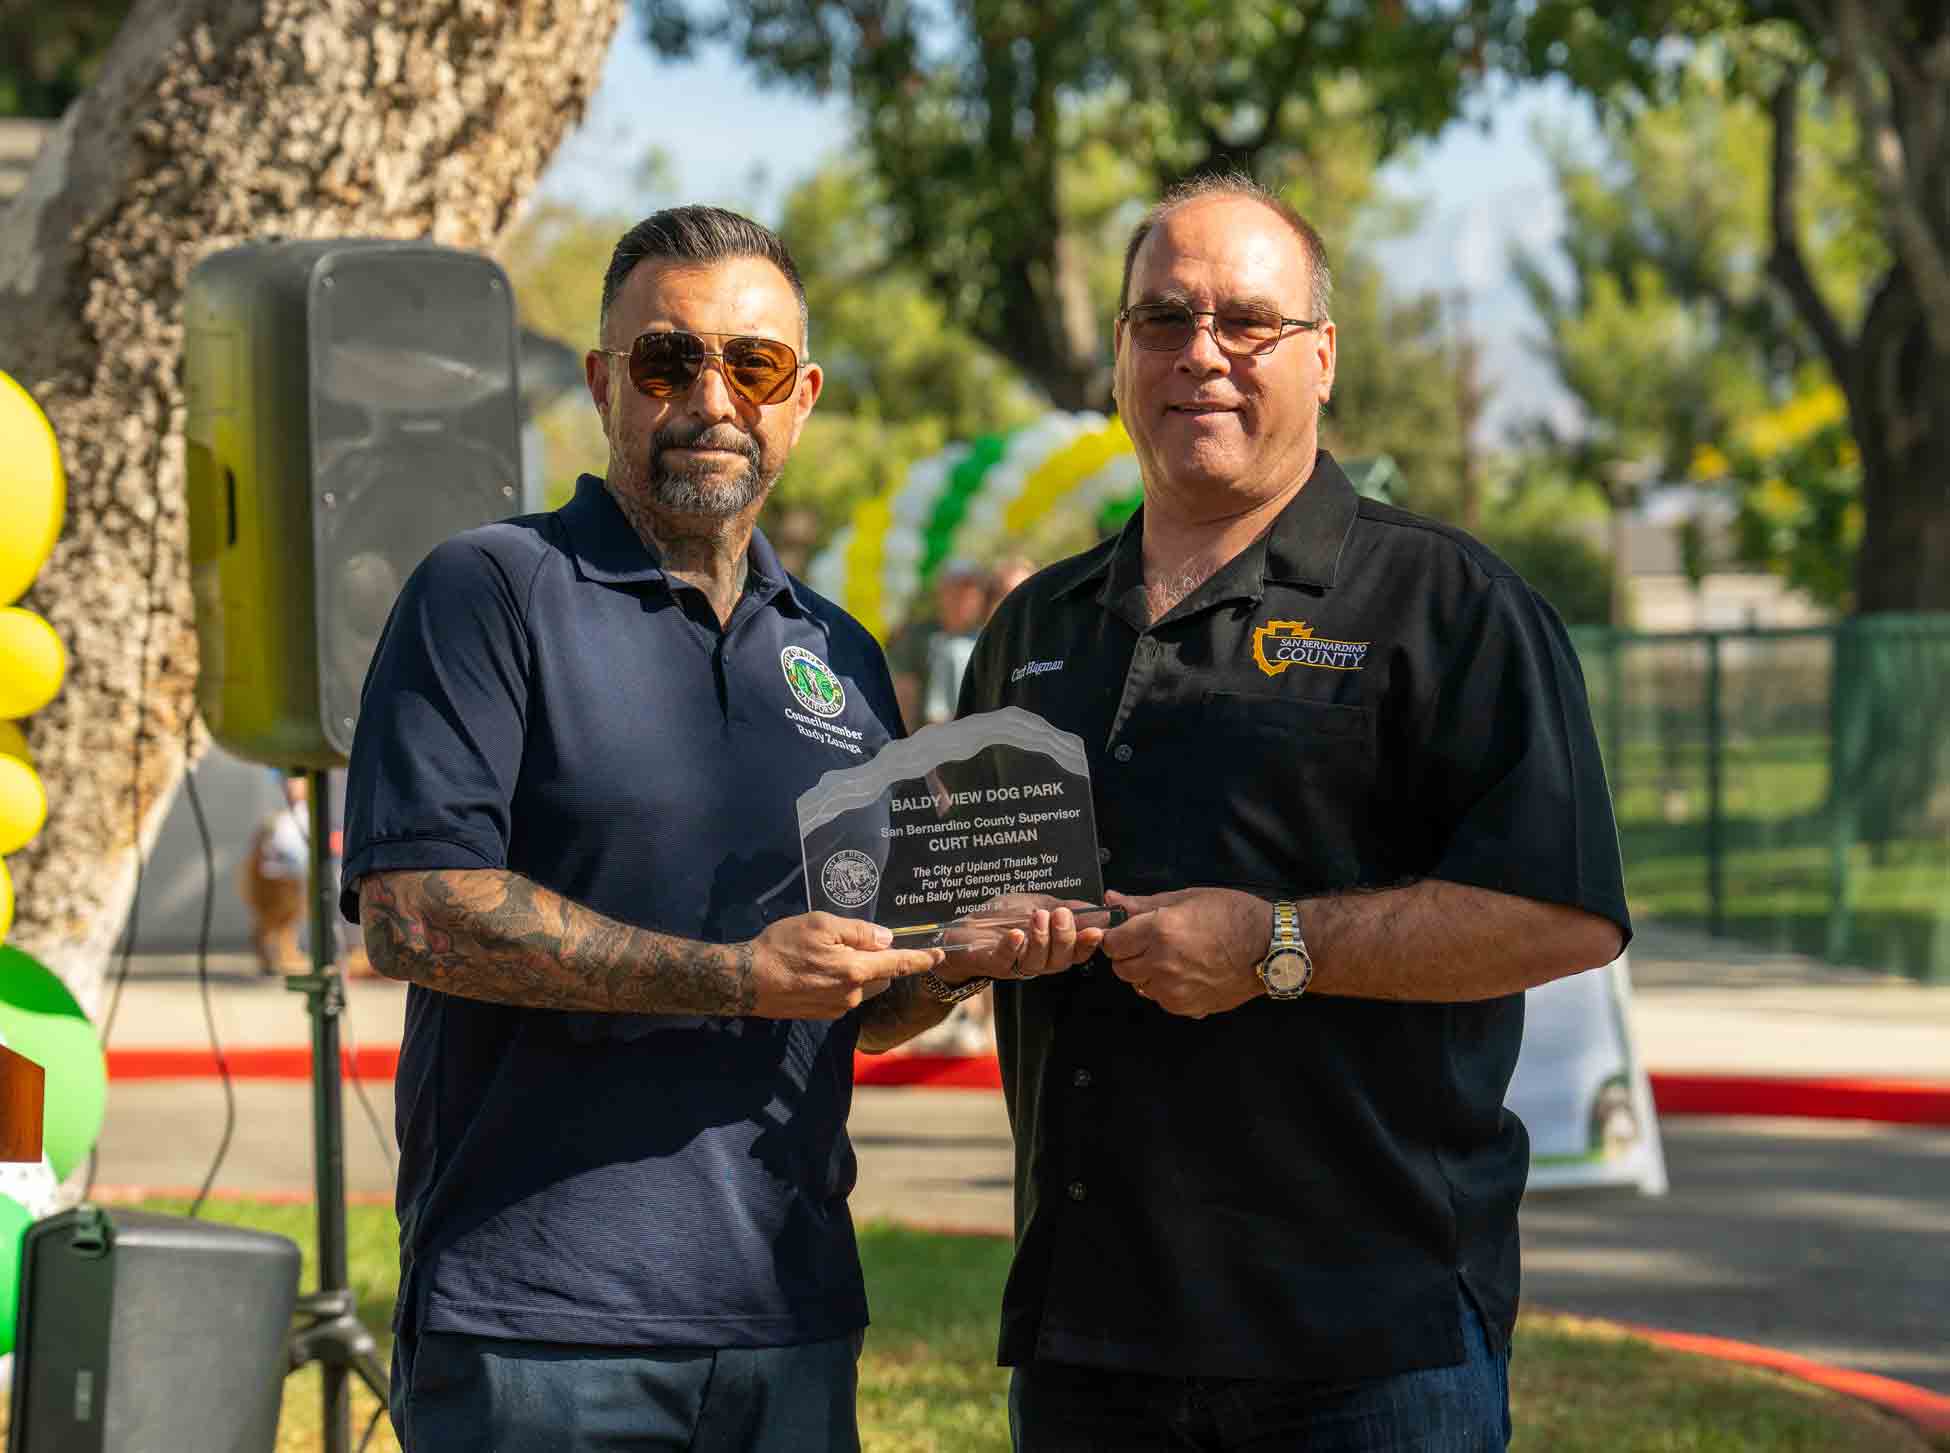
(970, 500)
(39, 1018)
(973, 499)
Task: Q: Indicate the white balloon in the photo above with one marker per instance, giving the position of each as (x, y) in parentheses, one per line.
(926, 482)
(33, 1185)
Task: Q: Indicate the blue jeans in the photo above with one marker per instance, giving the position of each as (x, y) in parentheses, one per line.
(1054, 1408)
(456, 1394)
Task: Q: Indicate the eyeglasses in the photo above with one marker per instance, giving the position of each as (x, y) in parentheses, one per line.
(664, 365)
(1244, 330)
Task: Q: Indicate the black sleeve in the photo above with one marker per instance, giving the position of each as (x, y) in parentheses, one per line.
(1511, 768)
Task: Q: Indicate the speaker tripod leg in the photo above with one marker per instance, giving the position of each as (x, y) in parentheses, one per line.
(334, 1338)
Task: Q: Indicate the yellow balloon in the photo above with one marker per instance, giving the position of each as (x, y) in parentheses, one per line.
(33, 489)
(13, 742)
(23, 805)
(6, 900)
(32, 662)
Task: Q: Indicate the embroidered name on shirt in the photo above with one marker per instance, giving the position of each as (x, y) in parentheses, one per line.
(1280, 644)
(1033, 668)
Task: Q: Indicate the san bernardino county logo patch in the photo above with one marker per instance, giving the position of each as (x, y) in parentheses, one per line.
(1280, 644)
(812, 682)
(849, 878)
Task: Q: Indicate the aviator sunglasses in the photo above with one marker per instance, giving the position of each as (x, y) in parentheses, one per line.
(665, 365)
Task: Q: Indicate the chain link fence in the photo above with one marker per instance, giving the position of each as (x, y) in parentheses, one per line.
(1788, 789)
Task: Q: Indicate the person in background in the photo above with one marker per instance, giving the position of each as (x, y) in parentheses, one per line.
(927, 653)
(1008, 572)
(962, 600)
(271, 878)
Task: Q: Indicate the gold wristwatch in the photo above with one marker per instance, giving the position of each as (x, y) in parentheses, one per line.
(1287, 968)
(943, 992)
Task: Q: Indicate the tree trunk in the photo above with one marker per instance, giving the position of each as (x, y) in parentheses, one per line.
(1900, 409)
(213, 123)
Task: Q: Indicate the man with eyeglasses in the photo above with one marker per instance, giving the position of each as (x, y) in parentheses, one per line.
(628, 1055)
(1347, 788)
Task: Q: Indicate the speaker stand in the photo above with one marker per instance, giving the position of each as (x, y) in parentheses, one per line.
(332, 1335)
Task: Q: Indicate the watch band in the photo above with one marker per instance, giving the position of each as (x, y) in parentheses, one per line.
(1286, 942)
(943, 992)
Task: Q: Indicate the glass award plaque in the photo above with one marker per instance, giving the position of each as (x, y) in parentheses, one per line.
(927, 835)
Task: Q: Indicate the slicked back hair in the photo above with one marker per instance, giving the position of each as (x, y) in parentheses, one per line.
(697, 236)
(1320, 291)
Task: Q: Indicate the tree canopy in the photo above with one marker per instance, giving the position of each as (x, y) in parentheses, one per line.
(50, 52)
(1011, 138)
(1011, 141)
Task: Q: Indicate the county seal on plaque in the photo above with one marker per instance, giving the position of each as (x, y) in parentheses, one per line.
(938, 825)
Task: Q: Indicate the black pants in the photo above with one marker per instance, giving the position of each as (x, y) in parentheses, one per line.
(457, 1394)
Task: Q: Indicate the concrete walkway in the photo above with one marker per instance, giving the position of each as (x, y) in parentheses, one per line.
(1699, 1005)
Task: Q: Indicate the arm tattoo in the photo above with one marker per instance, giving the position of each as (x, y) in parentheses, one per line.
(897, 1014)
(490, 934)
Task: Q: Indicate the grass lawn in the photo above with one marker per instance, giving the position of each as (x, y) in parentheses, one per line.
(928, 1383)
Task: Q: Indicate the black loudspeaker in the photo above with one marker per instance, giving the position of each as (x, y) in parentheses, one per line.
(351, 404)
(150, 1334)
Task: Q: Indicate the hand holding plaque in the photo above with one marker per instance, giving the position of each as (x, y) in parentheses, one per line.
(937, 833)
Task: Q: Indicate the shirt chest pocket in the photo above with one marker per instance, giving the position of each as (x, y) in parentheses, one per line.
(1317, 732)
(1280, 794)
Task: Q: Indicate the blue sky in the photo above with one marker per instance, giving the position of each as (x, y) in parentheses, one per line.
(1484, 188)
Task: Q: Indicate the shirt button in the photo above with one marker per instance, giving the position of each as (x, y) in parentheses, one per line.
(1103, 855)
(1081, 1079)
(1122, 751)
(1078, 1191)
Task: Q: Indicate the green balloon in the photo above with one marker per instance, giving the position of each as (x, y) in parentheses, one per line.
(14, 1222)
(41, 1020)
(964, 483)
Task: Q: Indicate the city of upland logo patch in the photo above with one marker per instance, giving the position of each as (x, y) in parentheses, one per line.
(849, 877)
(1280, 644)
(813, 682)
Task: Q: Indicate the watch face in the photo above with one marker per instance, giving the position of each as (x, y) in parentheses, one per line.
(1285, 971)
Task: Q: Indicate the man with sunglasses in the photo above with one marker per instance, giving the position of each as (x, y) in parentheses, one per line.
(1347, 787)
(570, 826)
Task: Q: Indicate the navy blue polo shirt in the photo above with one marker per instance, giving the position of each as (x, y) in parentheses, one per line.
(547, 701)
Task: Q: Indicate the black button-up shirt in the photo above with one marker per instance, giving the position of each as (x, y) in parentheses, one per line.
(1305, 1188)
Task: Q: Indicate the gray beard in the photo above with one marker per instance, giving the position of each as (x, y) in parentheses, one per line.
(699, 491)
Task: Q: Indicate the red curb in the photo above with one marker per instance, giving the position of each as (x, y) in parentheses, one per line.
(928, 1071)
(1893, 1102)
(256, 1062)
(1889, 1102)
(1918, 1405)
(381, 1062)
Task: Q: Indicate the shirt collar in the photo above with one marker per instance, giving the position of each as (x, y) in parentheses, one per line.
(769, 576)
(608, 550)
(1303, 547)
(1305, 544)
(606, 546)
